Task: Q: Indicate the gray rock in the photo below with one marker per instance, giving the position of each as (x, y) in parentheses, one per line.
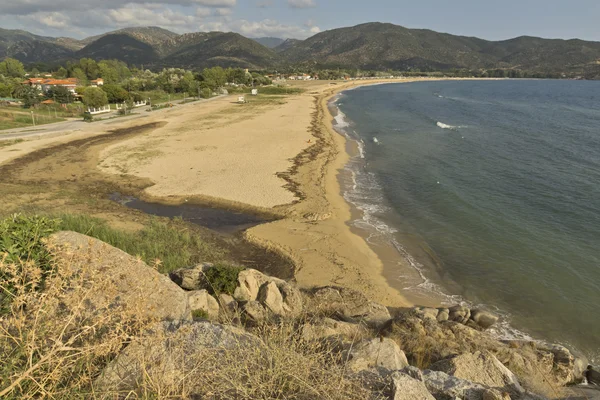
(413, 372)
(383, 355)
(191, 278)
(351, 306)
(443, 314)
(270, 297)
(459, 314)
(169, 351)
(582, 392)
(483, 368)
(326, 327)
(483, 318)
(493, 394)
(255, 311)
(250, 281)
(292, 298)
(227, 302)
(445, 387)
(404, 387)
(202, 300)
(427, 312)
(135, 284)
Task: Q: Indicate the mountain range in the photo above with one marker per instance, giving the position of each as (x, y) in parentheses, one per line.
(371, 46)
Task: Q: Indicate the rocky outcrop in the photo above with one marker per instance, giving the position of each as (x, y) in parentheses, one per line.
(323, 328)
(405, 387)
(201, 300)
(191, 278)
(446, 387)
(134, 283)
(483, 368)
(270, 296)
(483, 318)
(350, 306)
(382, 355)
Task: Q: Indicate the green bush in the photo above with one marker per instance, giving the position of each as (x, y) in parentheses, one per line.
(22, 241)
(222, 278)
(21, 238)
(199, 315)
(279, 90)
(87, 117)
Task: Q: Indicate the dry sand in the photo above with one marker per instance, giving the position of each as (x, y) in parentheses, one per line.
(273, 154)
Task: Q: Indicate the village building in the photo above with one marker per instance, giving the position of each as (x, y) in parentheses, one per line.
(45, 84)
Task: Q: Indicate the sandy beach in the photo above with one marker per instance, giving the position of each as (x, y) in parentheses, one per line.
(275, 154)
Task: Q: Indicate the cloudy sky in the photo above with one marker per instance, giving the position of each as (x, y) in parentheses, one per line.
(302, 18)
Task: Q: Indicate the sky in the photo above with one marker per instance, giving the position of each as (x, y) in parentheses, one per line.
(299, 19)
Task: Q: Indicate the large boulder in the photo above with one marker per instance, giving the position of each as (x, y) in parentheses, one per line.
(292, 298)
(459, 314)
(192, 278)
(201, 300)
(249, 283)
(169, 351)
(382, 355)
(405, 387)
(134, 283)
(446, 387)
(270, 297)
(481, 367)
(324, 328)
(254, 312)
(350, 305)
(483, 318)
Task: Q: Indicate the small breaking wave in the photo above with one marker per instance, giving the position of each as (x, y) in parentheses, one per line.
(446, 126)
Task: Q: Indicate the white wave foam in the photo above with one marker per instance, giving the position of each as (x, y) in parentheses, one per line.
(340, 120)
(445, 126)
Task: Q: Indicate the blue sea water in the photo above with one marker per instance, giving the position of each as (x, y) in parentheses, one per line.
(491, 190)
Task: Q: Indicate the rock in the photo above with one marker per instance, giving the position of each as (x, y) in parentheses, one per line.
(564, 366)
(255, 311)
(493, 394)
(483, 318)
(227, 302)
(445, 387)
(270, 297)
(326, 327)
(135, 283)
(405, 387)
(459, 314)
(443, 314)
(351, 306)
(191, 278)
(582, 392)
(168, 352)
(483, 368)
(427, 312)
(292, 298)
(250, 281)
(383, 355)
(201, 300)
(413, 372)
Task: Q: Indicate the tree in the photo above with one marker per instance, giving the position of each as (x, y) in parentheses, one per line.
(12, 68)
(94, 97)
(30, 95)
(113, 71)
(6, 90)
(60, 94)
(214, 77)
(79, 75)
(89, 67)
(61, 73)
(115, 93)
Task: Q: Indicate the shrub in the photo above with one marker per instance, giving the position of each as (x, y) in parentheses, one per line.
(223, 278)
(199, 314)
(22, 241)
(87, 117)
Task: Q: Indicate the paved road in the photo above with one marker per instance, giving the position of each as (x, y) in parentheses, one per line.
(78, 125)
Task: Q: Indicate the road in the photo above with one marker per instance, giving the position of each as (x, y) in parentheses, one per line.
(61, 128)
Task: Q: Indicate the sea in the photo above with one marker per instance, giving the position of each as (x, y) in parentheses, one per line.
(488, 193)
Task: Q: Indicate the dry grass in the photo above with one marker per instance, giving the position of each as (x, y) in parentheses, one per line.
(56, 340)
(53, 339)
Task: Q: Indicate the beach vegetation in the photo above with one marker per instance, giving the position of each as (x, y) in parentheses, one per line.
(223, 278)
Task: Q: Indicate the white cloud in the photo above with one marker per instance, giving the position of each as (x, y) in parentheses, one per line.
(302, 3)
